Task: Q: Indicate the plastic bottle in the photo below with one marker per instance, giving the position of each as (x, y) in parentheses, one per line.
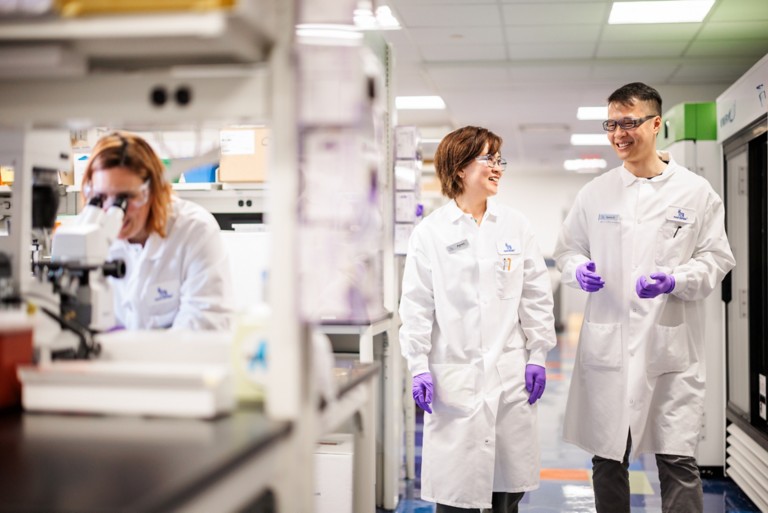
(251, 351)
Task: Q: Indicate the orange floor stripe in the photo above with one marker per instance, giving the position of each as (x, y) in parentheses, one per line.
(564, 474)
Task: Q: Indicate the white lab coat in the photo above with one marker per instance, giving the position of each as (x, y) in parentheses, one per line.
(474, 320)
(180, 281)
(640, 362)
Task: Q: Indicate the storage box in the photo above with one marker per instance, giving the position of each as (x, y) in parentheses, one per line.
(334, 457)
(244, 154)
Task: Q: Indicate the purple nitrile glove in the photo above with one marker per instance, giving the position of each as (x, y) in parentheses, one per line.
(588, 279)
(535, 381)
(422, 390)
(663, 284)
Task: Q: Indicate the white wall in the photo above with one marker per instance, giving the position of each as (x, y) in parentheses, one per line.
(543, 199)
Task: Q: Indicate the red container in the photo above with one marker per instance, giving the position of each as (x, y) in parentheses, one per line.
(15, 350)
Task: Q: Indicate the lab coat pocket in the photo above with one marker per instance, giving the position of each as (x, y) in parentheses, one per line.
(163, 304)
(455, 387)
(668, 350)
(600, 345)
(509, 277)
(672, 243)
(511, 368)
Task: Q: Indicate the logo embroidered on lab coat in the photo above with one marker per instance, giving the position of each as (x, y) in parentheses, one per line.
(681, 215)
(508, 247)
(163, 294)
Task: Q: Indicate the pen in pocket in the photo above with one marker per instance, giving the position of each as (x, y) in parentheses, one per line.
(677, 230)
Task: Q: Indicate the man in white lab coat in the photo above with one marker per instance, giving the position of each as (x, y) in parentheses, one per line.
(477, 323)
(177, 272)
(647, 241)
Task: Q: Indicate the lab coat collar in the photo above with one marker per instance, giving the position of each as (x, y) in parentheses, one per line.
(454, 213)
(627, 178)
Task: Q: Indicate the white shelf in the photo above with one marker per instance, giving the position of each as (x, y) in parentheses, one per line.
(242, 34)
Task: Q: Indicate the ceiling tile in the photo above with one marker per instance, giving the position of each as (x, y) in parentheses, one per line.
(414, 15)
(562, 13)
(651, 32)
(640, 70)
(653, 49)
(462, 52)
(527, 73)
(457, 35)
(733, 30)
(725, 71)
(462, 78)
(739, 10)
(550, 33)
(553, 51)
(748, 48)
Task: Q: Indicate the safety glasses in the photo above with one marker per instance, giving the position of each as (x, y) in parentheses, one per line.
(493, 162)
(609, 125)
(136, 198)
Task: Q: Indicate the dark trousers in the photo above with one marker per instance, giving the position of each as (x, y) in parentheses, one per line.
(502, 502)
(681, 490)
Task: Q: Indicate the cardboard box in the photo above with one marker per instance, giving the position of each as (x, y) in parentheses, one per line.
(333, 474)
(244, 154)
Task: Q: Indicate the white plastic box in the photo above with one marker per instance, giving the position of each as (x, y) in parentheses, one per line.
(333, 474)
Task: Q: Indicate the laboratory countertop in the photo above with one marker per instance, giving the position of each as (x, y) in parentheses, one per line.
(75, 463)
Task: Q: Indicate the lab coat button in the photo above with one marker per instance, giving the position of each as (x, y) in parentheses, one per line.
(631, 353)
(631, 401)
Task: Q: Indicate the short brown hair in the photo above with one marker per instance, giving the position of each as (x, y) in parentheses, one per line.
(457, 150)
(126, 150)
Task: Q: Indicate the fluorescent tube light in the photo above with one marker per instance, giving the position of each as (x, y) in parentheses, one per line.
(319, 32)
(585, 165)
(592, 113)
(666, 11)
(419, 103)
(590, 140)
(365, 19)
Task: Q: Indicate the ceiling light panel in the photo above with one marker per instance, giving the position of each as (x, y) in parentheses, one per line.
(419, 103)
(589, 140)
(672, 11)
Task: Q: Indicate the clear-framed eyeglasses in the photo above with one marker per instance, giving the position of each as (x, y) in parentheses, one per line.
(135, 198)
(609, 125)
(493, 162)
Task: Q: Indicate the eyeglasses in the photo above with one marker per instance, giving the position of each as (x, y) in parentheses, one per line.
(493, 162)
(136, 198)
(609, 125)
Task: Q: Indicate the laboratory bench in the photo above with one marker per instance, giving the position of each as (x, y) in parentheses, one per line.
(76, 463)
(243, 461)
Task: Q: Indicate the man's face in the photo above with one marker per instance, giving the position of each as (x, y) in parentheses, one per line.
(634, 145)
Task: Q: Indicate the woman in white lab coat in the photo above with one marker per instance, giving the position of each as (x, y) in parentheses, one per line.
(177, 272)
(477, 323)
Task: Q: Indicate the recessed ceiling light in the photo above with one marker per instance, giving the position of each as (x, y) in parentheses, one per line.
(592, 113)
(590, 140)
(419, 102)
(663, 11)
(585, 165)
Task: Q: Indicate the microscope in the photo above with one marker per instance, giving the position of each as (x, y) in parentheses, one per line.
(69, 289)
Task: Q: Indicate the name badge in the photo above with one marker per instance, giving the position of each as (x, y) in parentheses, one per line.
(681, 215)
(508, 247)
(608, 218)
(458, 246)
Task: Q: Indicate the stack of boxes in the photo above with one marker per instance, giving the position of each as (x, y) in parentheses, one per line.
(408, 206)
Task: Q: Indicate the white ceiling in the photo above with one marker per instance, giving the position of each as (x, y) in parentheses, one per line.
(522, 67)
